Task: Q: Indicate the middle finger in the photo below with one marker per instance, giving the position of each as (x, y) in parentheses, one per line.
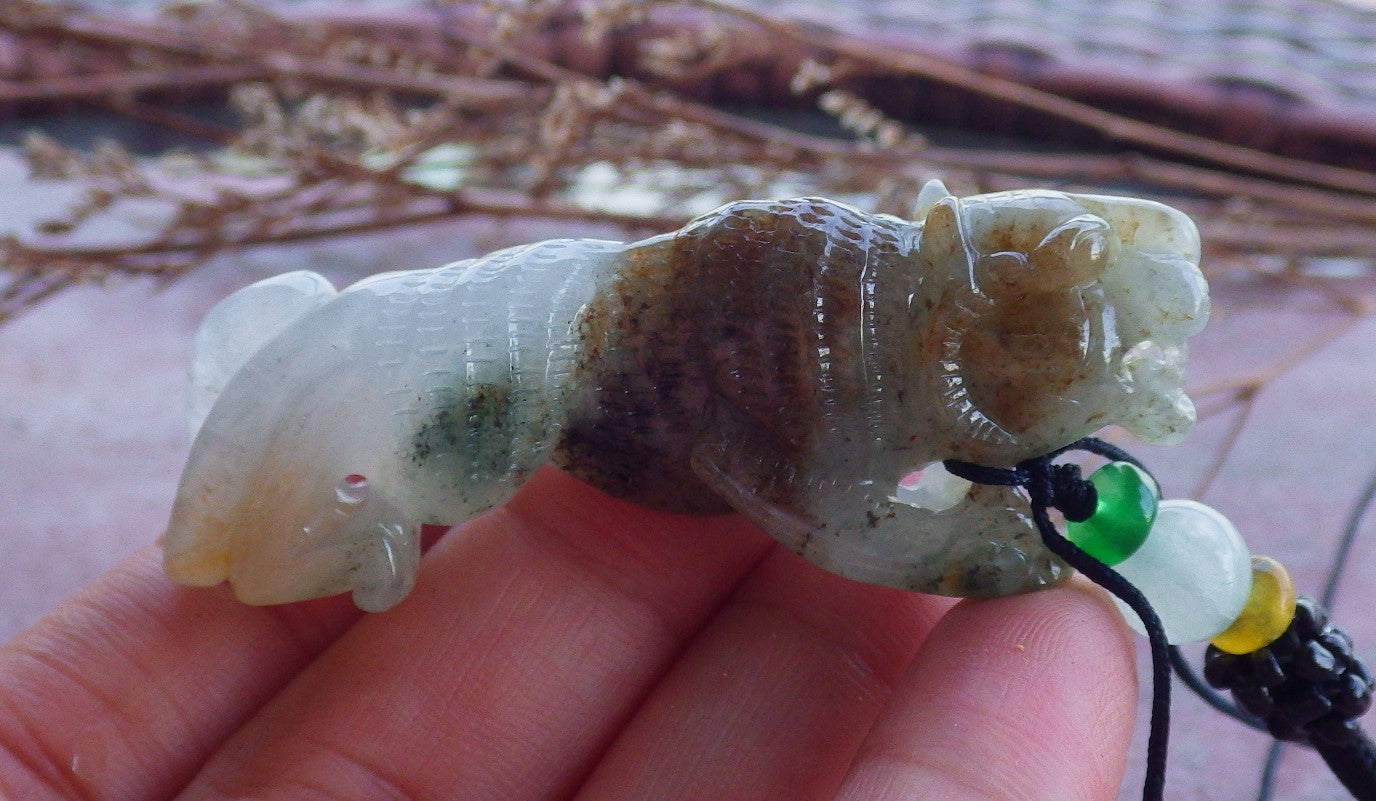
(772, 700)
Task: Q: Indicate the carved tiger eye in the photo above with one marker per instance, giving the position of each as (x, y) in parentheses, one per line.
(1076, 252)
(1006, 276)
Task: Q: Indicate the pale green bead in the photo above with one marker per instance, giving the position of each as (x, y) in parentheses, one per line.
(1195, 570)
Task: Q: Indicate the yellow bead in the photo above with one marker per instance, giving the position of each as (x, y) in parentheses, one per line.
(1267, 614)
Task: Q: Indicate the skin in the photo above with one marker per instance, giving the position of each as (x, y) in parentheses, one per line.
(572, 646)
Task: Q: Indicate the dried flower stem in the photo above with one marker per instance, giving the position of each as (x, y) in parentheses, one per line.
(1114, 127)
(350, 114)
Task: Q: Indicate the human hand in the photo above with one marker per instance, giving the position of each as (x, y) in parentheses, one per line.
(571, 646)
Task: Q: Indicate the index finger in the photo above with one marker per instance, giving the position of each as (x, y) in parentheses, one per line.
(1024, 697)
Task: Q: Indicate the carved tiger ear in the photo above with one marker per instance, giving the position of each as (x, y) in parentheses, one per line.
(933, 192)
(944, 242)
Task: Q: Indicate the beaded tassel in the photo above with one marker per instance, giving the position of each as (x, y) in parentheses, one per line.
(1181, 571)
(1278, 654)
(1307, 685)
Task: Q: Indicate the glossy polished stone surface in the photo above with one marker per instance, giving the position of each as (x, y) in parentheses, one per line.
(1195, 570)
(1124, 512)
(1267, 614)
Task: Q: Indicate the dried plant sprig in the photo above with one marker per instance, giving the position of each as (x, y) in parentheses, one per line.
(811, 74)
(857, 115)
(600, 19)
(347, 128)
(49, 159)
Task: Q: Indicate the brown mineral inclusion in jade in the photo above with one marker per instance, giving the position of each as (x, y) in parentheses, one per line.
(791, 360)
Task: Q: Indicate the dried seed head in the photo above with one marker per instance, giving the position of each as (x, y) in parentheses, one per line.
(855, 114)
(47, 158)
(603, 17)
(810, 75)
(700, 49)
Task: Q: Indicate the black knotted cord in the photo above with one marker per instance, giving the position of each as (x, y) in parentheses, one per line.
(1049, 486)
(1043, 496)
(1267, 786)
(1208, 694)
(1312, 660)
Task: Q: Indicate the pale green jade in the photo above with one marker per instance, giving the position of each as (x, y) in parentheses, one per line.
(1195, 570)
(792, 360)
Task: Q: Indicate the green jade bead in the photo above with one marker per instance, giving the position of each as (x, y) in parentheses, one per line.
(1122, 517)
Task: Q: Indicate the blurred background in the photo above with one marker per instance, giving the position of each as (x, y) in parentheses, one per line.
(153, 158)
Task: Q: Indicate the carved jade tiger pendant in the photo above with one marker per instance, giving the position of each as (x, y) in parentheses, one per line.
(792, 360)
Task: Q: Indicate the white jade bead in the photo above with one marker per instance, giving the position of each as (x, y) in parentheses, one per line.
(1195, 570)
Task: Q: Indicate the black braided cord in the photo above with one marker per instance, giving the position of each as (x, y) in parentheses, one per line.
(1266, 789)
(1153, 787)
(1045, 484)
(1353, 762)
(1308, 686)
